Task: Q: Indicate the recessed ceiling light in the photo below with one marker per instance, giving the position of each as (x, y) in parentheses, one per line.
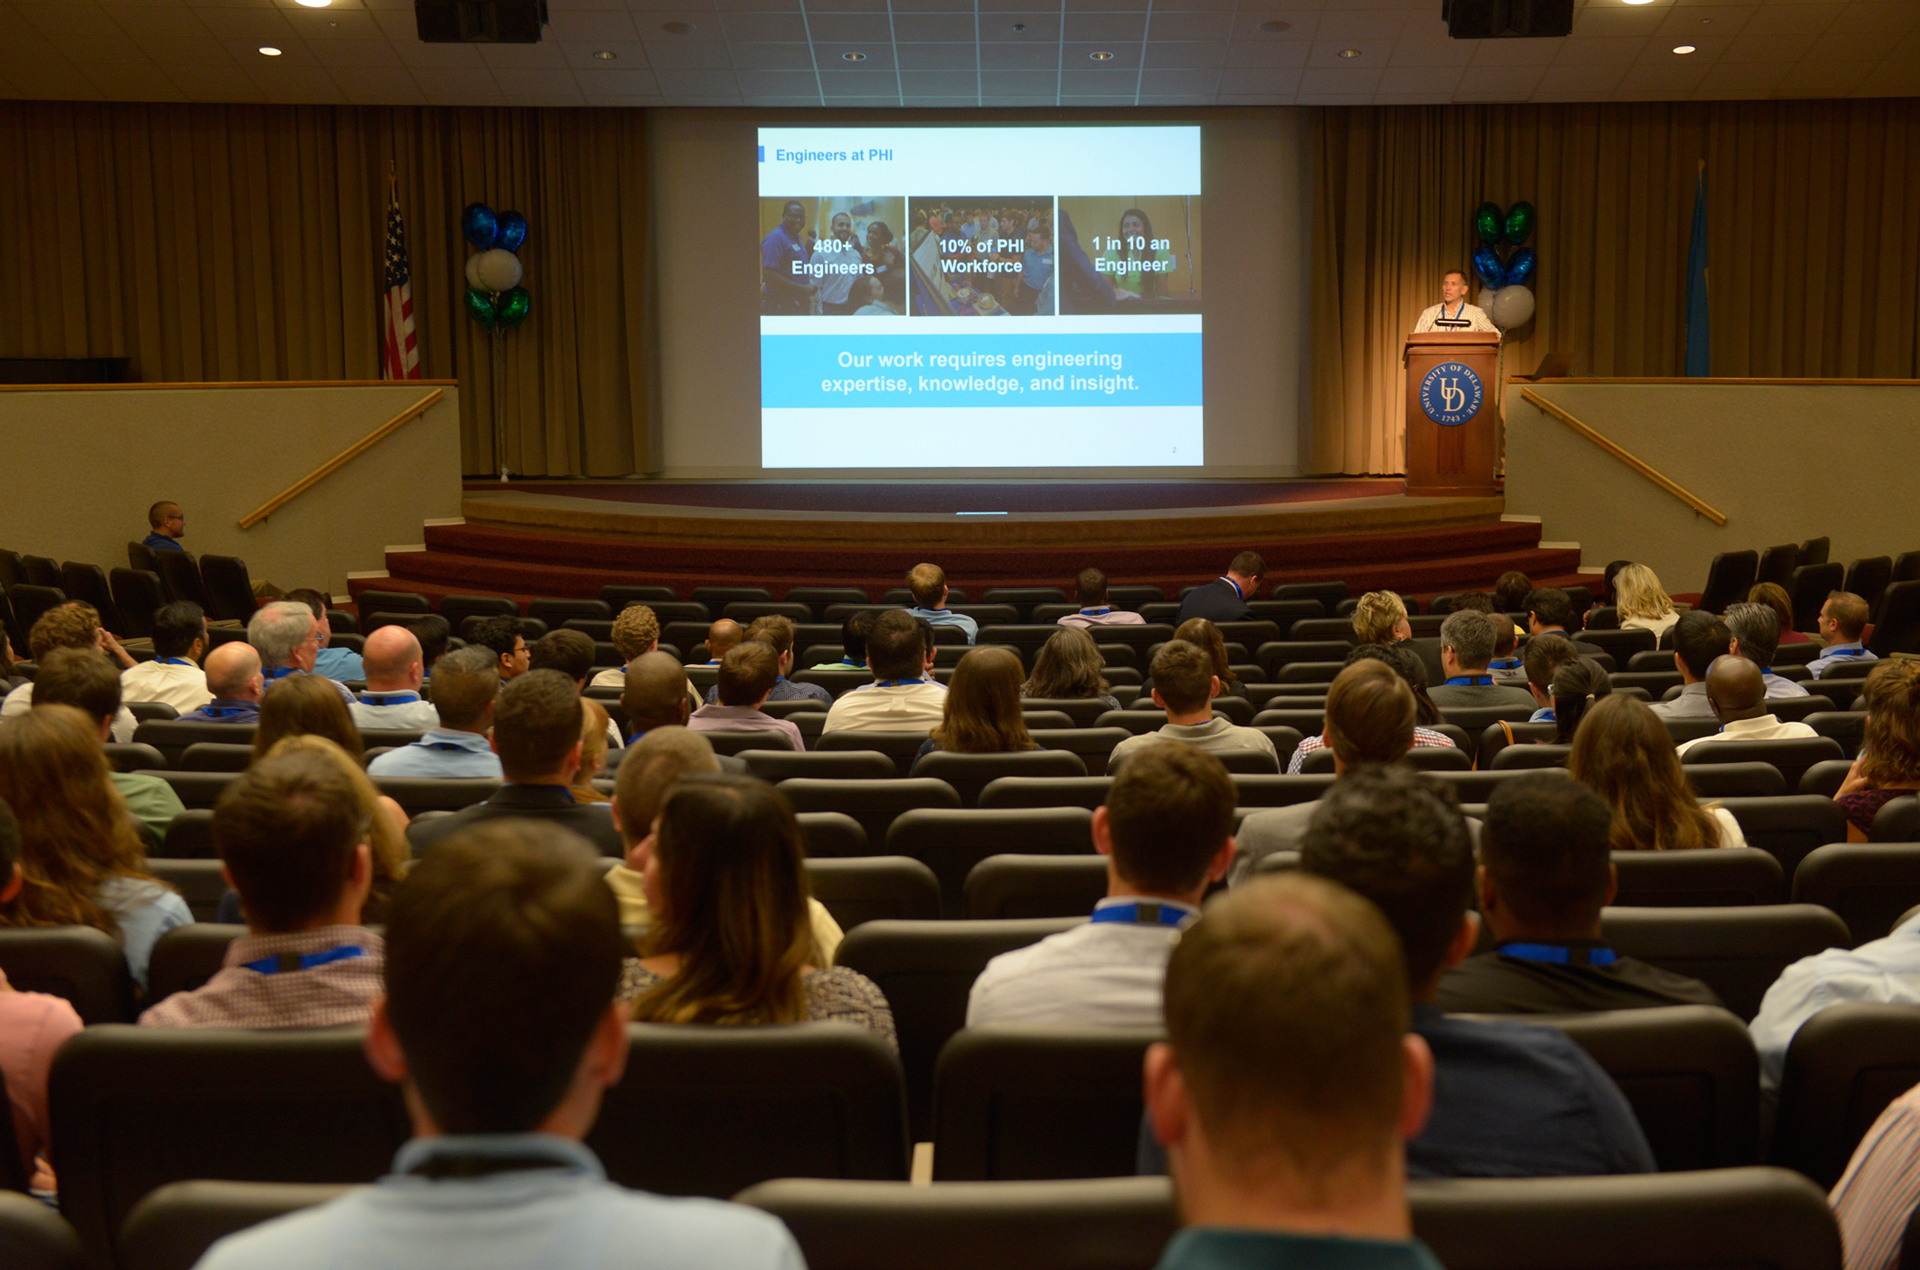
(1019, 26)
(1349, 53)
(854, 57)
(1275, 26)
(606, 55)
(679, 28)
(1101, 57)
(315, 4)
(269, 51)
(1683, 49)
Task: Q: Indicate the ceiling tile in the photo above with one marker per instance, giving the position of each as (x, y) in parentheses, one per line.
(1099, 83)
(1838, 46)
(1037, 28)
(1105, 27)
(1241, 53)
(1188, 53)
(1300, 26)
(522, 56)
(1431, 53)
(1707, 50)
(1355, 26)
(1096, 101)
(336, 24)
(781, 101)
(850, 83)
(1749, 47)
(1641, 20)
(930, 6)
(1280, 80)
(850, 28)
(1373, 54)
(597, 25)
(105, 48)
(1019, 83)
(1346, 79)
(259, 25)
(629, 82)
(935, 57)
(687, 55)
(1600, 51)
(1420, 79)
(1822, 79)
(1189, 26)
(1862, 17)
(940, 83)
(1080, 56)
(1253, 99)
(1679, 77)
(335, 54)
(1164, 6)
(878, 57)
(1202, 82)
(625, 53)
(1013, 57)
(938, 103)
(772, 57)
(1334, 99)
(1693, 25)
(770, 28)
(846, 6)
(1580, 83)
(1048, 100)
(1897, 76)
(1795, 19)
(68, 19)
(1516, 52)
(1176, 99)
(414, 53)
(696, 83)
(930, 27)
(1498, 83)
(186, 51)
(292, 53)
(400, 27)
(1412, 99)
(1741, 79)
(152, 19)
(758, 83)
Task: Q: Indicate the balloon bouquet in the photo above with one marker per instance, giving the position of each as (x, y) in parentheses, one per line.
(495, 298)
(1507, 298)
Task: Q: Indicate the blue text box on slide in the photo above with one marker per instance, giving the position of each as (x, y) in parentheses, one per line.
(856, 371)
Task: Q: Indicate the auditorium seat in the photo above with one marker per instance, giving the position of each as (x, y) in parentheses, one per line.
(1788, 828)
(831, 835)
(1045, 791)
(190, 836)
(971, 773)
(1258, 791)
(1797, 709)
(1620, 645)
(817, 598)
(229, 588)
(1847, 727)
(416, 794)
(1303, 648)
(1047, 720)
(172, 736)
(1777, 564)
(710, 1110)
(732, 743)
(30, 602)
(1708, 877)
(1736, 951)
(1897, 821)
(1869, 884)
(1525, 756)
(1025, 597)
(1896, 627)
(135, 1108)
(187, 956)
(901, 747)
(874, 888)
(1134, 722)
(79, 964)
(1425, 758)
(776, 765)
(1082, 710)
(1709, 781)
(32, 1235)
(926, 970)
(136, 594)
(617, 596)
(87, 583)
(1316, 674)
(1868, 578)
(375, 601)
(718, 596)
(1029, 1102)
(180, 578)
(132, 757)
(1808, 588)
(1824, 778)
(1842, 1068)
(196, 790)
(1249, 762)
(199, 882)
(1656, 683)
(1093, 745)
(213, 756)
(952, 842)
(557, 613)
(874, 803)
(1792, 755)
(1014, 886)
(172, 1228)
(1729, 577)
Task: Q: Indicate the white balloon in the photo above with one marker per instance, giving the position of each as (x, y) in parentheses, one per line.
(498, 269)
(473, 272)
(1512, 306)
(1486, 299)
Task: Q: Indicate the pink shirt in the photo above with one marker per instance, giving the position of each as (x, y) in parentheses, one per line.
(745, 719)
(1097, 617)
(33, 1026)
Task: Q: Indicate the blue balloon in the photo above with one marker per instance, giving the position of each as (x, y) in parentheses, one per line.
(480, 225)
(1521, 268)
(1488, 266)
(513, 231)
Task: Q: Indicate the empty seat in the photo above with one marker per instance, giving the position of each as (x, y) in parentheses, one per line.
(1808, 588)
(1710, 877)
(136, 594)
(187, 956)
(1735, 780)
(416, 794)
(1777, 564)
(82, 965)
(775, 766)
(1736, 951)
(134, 758)
(1788, 827)
(1045, 791)
(1082, 710)
(830, 835)
(557, 613)
(32, 1235)
(739, 742)
(715, 596)
(1896, 627)
(88, 584)
(197, 790)
(30, 603)
(1527, 756)
(616, 596)
(190, 836)
(172, 1228)
(1797, 709)
(874, 888)
(1897, 821)
(1870, 885)
(211, 756)
(1868, 578)
(971, 773)
(1426, 758)
(200, 884)
(1842, 1068)
(1013, 885)
(952, 842)
(1094, 746)
(901, 747)
(1729, 577)
(874, 803)
(1824, 779)
(229, 588)
(374, 601)
(172, 736)
(180, 577)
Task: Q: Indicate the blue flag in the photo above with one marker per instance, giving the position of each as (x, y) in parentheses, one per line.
(1699, 323)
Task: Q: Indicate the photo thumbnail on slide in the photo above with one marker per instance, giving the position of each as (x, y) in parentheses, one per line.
(832, 257)
(1133, 254)
(981, 256)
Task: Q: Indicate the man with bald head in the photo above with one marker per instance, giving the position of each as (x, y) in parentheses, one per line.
(656, 694)
(234, 679)
(464, 686)
(723, 636)
(395, 670)
(1737, 691)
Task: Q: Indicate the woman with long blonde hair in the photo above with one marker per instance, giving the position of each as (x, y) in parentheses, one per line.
(1624, 753)
(593, 752)
(1643, 603)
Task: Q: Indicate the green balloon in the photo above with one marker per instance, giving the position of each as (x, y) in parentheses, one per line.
(1486, 223)
(480, 306)
(1519, 222)
(514, 306)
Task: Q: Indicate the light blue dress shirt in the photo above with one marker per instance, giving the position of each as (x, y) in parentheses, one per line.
(143, 911)
(947, 617)
(339, 663)
(1881, 971)
(1837, 653)
(443, 754)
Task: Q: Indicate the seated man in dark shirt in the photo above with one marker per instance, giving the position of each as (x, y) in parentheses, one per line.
(1225, 598)
(1550, 612)
(1545, 874)
(168, 525)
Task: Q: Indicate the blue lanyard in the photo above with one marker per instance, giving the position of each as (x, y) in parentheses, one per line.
(1470, 681)
(1559, 954)
(1510, 663)
(1236, 587)
(897, 683)
(221, 712)
(292, 961)
(173, 661)
(1096, 612)
(1855, 651)
(389, 698)
(281, 672)
(1143, 913)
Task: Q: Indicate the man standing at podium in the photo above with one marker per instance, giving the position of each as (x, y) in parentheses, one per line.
(1453, 313)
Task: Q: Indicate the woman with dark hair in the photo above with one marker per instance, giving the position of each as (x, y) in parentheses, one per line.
(305, 705)
(1201, 631)
(1136, 268)
(1576, 686)
(1889, 762)
(1775, 597)
(1069, 668)
(81, 859)
(732, 941)
(1624, 753)
(982, 714)
(1510, 592)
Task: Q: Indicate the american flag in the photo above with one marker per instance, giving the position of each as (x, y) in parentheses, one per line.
(402, 360)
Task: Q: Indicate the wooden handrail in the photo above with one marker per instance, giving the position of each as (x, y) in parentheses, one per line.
(1637, 464)
(341, 459)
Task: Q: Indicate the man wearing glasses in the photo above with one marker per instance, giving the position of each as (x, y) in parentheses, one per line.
(169, 525)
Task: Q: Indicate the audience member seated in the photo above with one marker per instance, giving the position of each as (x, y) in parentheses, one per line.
(983, 708)
(722, 636)
(1643, 603)
(1737, 690)
(85, 680)
(1545, 874)
(732, 938)
(1506, 667)
(1225, 598)
(166, 525)
(651, 768)
(1889, 762)
(294, 842)
(928, 582)
(71, 625)
(237, 684)
(1773, 596)
(570, 653)
(503, 953)
(636, 631)
(434, 635)
(853, 641)
(1510, 592)
(596, 725)
(304, 706)
(1880, 972)
(1467, 641)
(1204, 635)
(1381, 618)
(1698, 638)
(1289, 1085)
(1412, 672)
(395, 670)
(1069, 667)
(536, 733)
(174, 676)
(1090, 592)
(776, 632)
(1756, 634)
(1550, 612)
(1625, 754)
(333, 663)
(1878, 1193)
(1167, 833)
(900, 699)
(502, 635)
(1184, 685)
(80, 854)
(1542, 657)
(33, 1026)
(1842, 623)
(1577, 686)
(748, 675)
(657, 694)
(386, 835)
(287, 636)
(464, 686)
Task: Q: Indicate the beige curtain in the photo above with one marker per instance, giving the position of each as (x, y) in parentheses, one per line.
(248, 243)
(1813, 226)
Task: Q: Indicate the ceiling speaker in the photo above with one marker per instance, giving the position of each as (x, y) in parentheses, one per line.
(482, 21)
(1507, 19)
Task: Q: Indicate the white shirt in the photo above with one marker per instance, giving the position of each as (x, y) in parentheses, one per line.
(385, 711)
(914, 707)
(184, 687)
(1764, 728)
(20, 700)
(617, 678)
(1473, 315)
(1102, 974)
(1215, 734)
(1881, 972)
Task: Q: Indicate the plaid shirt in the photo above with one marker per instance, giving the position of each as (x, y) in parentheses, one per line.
(335, 994)
(1423, 738)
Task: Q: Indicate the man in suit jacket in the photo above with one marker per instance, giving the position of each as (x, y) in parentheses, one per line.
(1225, 598)
(536, 732)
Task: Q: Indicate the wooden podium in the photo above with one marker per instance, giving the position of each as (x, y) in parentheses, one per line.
(1452, 420)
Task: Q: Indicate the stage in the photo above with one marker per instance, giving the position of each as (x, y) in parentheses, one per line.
(528, 539)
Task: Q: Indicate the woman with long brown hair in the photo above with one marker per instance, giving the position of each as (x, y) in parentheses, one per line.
(305, 705)
(81, 861)
(732, 939)
(1889, 762)
(1069, 667)
(1203, 634)
(982, 713)
(1624, 753)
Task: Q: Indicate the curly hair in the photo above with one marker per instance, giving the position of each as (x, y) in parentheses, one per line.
(1890, 752)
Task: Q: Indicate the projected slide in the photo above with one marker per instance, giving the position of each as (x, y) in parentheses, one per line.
(1009, 297)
